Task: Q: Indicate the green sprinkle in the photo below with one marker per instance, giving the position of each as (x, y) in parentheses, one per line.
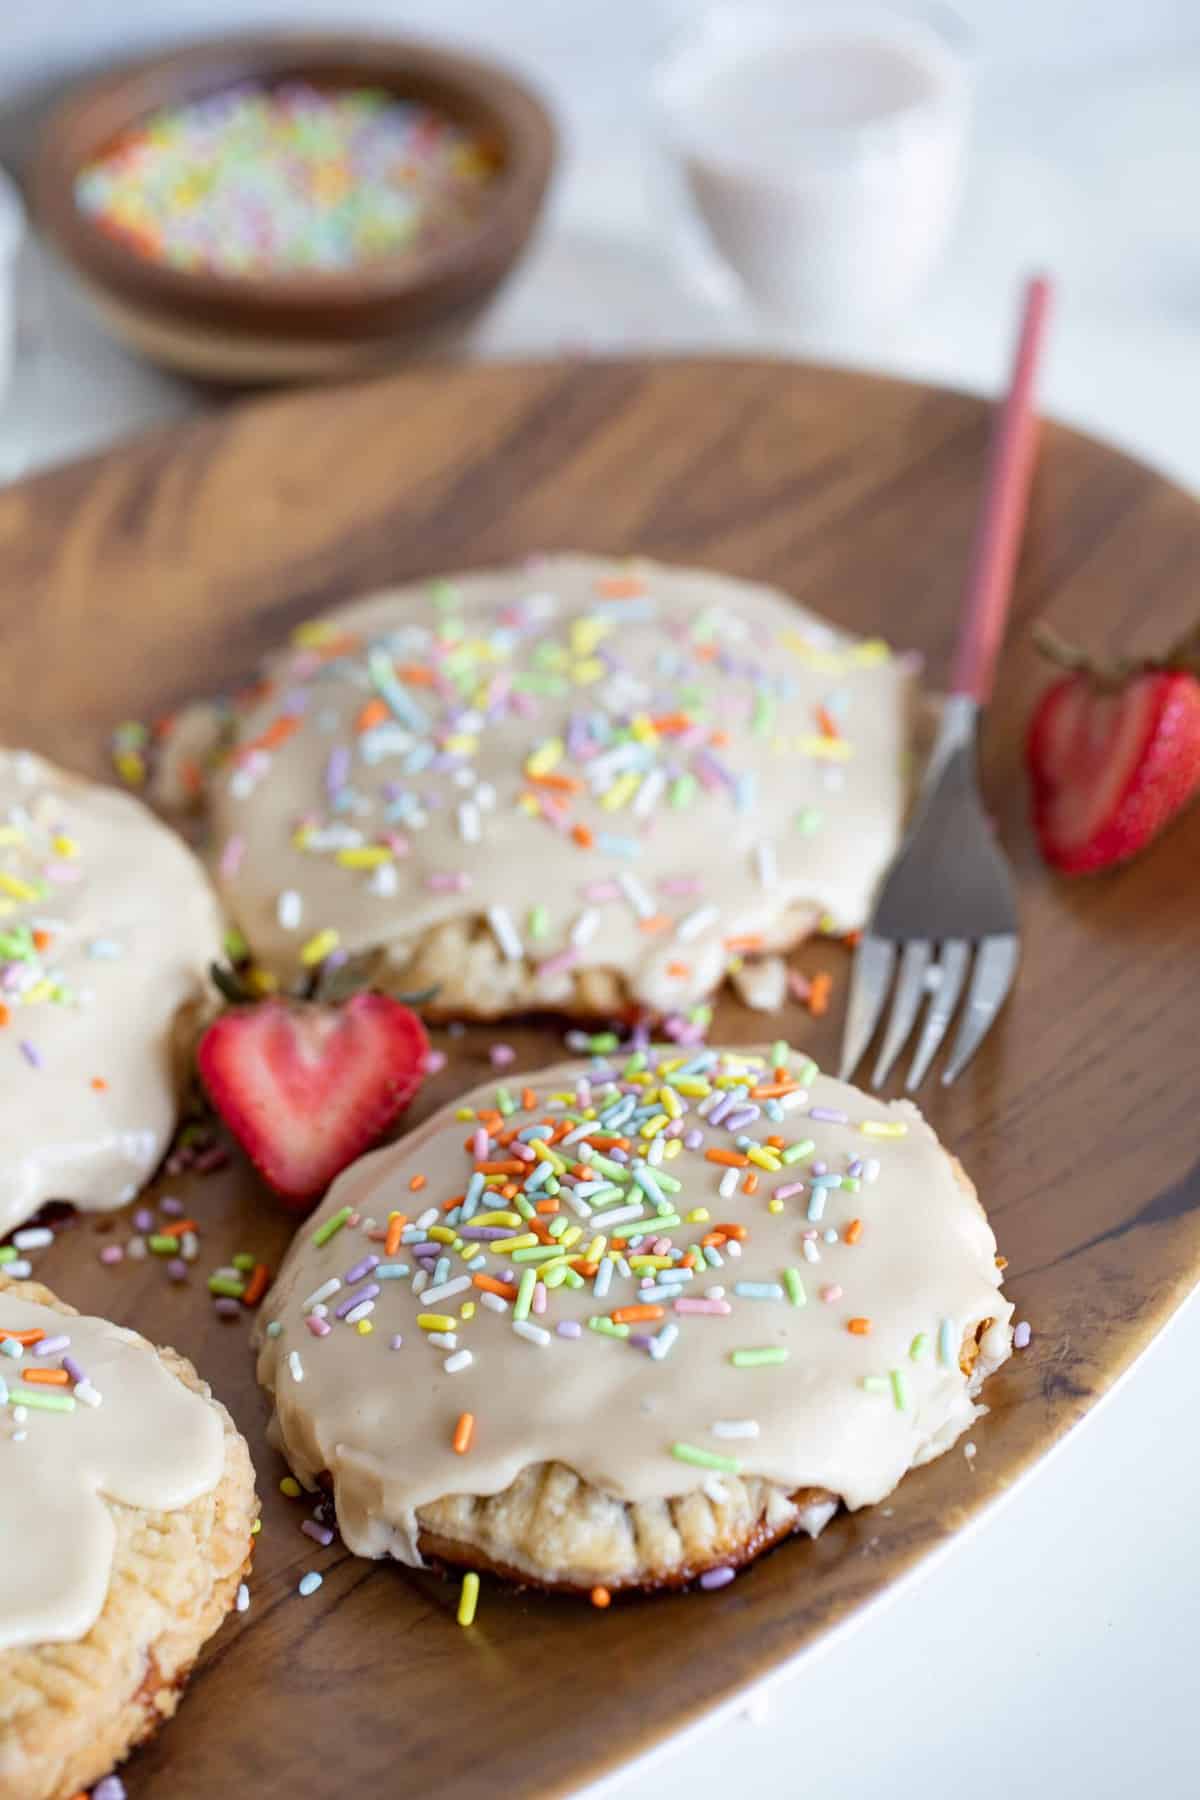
(779, 1054)
(851, 1184)
(706, 1459)
(557, 1226)
(539, 921)
(899, 1389)
(243, 1261)
(635, 1065)
(699, 1015)
(876, 1384)
(226, 1285)
(7, 1255)
(807, 1072)
(538, 1253)
(603, 1043)
(795, 1287)
(524, 1299)
(809, 820)
(606, 1327)
(41, 1401)
(757, 1359)
(794, 1152)
(162, 1244)
(763, 716)
(667, 1182)
(522, 1206)
(505, 1102)
(236, 947)
(331, 1227)
(274, 1329)
(683, 790)
(919, 1346)
(573, 1278)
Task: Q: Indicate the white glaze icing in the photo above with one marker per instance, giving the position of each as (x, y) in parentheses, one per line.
(150, 1443)
(127, 925)
(770, 792)
(380, 1421)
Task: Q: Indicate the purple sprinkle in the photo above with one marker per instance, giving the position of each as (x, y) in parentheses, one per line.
(143, 1219)
(51, 1346)
(717, 1578)
(360, 1269)
(569, 1328)
(321, 1533)
(227, 1308)
(111, 1253)
(171, 1206)
(616, 1154)
(787, 1190)
(741, 1115)
(337, 769)
(483, 1233)
(818, 1168)
(31, 1053)
(717, 1115)
(1021, 1335)
(177, 1269)
(435, 1062)
(73, 1369)
(693, 1139)
(370, 1292)
(829, 1114)
(111, 1788)
(855, 1169)
(396, 1342)
(502, 1056)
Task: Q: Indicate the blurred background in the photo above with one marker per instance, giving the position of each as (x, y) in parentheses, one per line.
(1083, 155)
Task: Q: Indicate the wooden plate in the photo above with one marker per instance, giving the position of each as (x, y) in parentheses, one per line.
(162, 570)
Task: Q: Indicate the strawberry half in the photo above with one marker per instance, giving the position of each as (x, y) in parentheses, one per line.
(306, 1088)
(1113, 756)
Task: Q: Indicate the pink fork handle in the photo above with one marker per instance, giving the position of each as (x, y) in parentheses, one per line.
(1002, 515)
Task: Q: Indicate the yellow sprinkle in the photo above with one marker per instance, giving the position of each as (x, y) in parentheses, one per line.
(621, 792)
(497, 1218)
(468, 1598)
(587, 672)
(41, 990)
(464, 1112)
(442, 1234)
(544, 1154)
(699, 1215)
(468, 1308)
(502, 1246)
(20, 890)
(595, 1249)
(764, 1158)
(435, 1321)
(64, 846)
(883, 1128)
(314, 634)
(824, 749)
(365, 856)
(587, 633)
(130, 768)
(673, 1148)
(10, 835)
(653, 1126)
(256, 1528)
(261, 981)
(871, 651)
(670, 1102)
(319, 947)
(570, 1236)
(774, 1206)
(692, 1086)
(649, 1262)
(642, 727)
(364, 1328)
(290, 1486)
(544, 758)
(528, 803)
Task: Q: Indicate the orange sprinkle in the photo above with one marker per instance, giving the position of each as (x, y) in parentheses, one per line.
(601, 1597)
(734, 1231)
(374, 713)
(775, 1141)
(548, 1206)
(852, 1232)
(772, 1090)
(750, 1185)
(416, 674)
(500, 1168)
(731, 1159)
(395, 1231)
(277, 732)
(5, 1015)
(718, 739)
(587, 1269)
(42, 939)
(656, 922)
(561, 784)
(464, 1431)
(749, 940)
(860, 1327)
(671, 724)
(620, 587)
(192, 776)
(45, 1377)
(528, 1099)
(179, 1226)
(819, 990)
(454, 1200)
(607, 1140)
(256, 1287)
(826, 725)
(852, 940)
(679, 971)
(633, 1315)
(509, 1190)
(99, 1083)
(24, 1337)
(619, 1243)
(491, 1285)
(713, 1240)
(417, 1183)
(583, 836)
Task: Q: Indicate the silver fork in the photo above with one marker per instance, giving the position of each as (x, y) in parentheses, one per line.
(950, 885)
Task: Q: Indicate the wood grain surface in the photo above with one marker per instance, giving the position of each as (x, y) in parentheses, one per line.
(162, 570)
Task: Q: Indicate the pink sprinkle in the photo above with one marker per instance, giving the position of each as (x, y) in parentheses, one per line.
(523, 1153)
(539, 1297)
(60, 872)
(702, 1306)
(602, 890)
(555, 965)
(660, 1246)
(681, 884)
(435, 1062)
(231, 856)
(320, 1533)
(502, 1056)
(797, 986)
(448, 881)
(397, 844)
(569, 1328)
(831, 1293)
(479, 1145)
(111, 1253)
(1022, 1334)
(787, 1190)
(318, 1327)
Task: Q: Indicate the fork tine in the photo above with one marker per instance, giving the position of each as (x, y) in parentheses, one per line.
(995, 967)
(910, 986)
(952, 972)
(874, 961)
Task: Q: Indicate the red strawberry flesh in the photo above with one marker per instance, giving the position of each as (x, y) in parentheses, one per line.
(307, 1088)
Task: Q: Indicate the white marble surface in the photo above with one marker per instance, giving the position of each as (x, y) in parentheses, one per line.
(1051, 1651)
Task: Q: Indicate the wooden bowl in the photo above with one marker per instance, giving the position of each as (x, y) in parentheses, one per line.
(310, 325)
